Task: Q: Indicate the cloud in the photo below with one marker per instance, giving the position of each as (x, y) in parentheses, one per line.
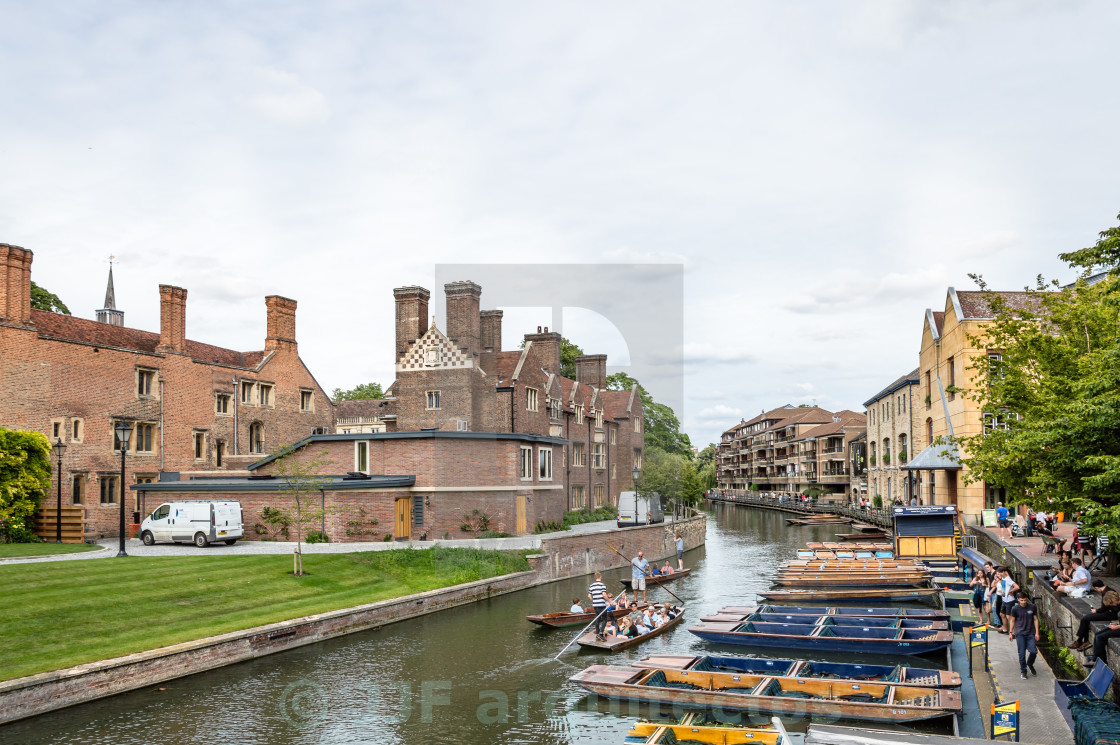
(288, 101)
(704, 353)
(719, 411)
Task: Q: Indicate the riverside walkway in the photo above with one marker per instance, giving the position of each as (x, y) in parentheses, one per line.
(883, 517)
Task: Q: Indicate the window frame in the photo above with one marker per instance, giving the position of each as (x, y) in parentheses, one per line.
(361, 456)
(306, 395)
(108, 488)
(265, 397)
(432, 397)
(544, 464)
(198, 443)
(256, 445)
(532, 399)
(598, 456)
(579, 454)
(246, 393)
(221, 404)
(146, 382)
(525, 465)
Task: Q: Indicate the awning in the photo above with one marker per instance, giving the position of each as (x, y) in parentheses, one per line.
(939, 457)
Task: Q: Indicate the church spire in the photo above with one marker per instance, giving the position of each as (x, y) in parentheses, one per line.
(109, 314)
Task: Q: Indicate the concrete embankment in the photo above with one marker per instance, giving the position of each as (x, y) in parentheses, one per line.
(562, 556)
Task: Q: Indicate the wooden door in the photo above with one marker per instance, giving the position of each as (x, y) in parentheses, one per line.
(522, 510)
(403, 530)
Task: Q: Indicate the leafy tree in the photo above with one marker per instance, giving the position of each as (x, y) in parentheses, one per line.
(302, 475)
(662, 428)
(568, 353)
(1052, 402)
(44, 299)
(362, 390)
(25, 477)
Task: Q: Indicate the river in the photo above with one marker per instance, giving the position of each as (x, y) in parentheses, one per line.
(479, 674)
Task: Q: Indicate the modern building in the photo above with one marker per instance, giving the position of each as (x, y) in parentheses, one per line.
(890, 437)
(191, 406)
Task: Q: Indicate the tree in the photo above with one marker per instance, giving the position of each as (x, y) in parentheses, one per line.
(25, 477)
(662, 428)
(362, 390)
(302, 475)
(44, 299)
(1052, 400)
(568, 353)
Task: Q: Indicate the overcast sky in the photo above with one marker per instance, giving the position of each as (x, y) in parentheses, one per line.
(823, 171)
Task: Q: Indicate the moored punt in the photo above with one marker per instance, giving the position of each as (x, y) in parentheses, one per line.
(652, 733)
(567, 618)
(659, 579)
(868, 621)
(853, 572)
(848, 581)
(825, 637)
(742, 612)
(914, 676)
(615, 643)
(867, 594)
(873, 702)
(862, 536)
(860, 562)
(828, 520)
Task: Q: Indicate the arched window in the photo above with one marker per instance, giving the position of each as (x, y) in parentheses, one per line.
(256, 438)
(929, 431)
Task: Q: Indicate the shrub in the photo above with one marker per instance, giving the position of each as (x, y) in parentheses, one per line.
(278, 519)
(547, 527)
(260, 529)
(361, 525)
(886, 459)
(316, 536)
(476, 522)
(871, 460)
(878, 501)
(495, 534)
(388, 537)
(901, 456)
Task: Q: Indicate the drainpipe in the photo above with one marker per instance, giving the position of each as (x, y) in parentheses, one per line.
(162, 392)
(567, 459)
(322, 511)
(607, 441)
(591, 467)
(236, 398)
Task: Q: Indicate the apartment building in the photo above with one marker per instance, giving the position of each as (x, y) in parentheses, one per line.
(890, 436)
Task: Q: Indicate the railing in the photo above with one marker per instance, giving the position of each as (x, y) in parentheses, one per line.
(881, 517)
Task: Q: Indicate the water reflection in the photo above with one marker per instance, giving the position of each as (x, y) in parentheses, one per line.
(479, 674)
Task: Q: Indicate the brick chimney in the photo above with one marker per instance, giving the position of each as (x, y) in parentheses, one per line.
(547, 346)
(591, 369)
(490, 330)
(412, 316)
(463, 315)
(281, 313)
(15, 284)
(172, 319)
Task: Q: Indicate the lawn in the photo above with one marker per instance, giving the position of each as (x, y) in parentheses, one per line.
(60, 614)
(20, 550)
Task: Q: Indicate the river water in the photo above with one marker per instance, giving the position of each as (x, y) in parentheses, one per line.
(479, 674)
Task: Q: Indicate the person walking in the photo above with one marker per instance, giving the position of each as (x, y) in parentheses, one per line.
(1024, 631)
(598, 594)
(1003, 516)
(680, 551)
(639, 569)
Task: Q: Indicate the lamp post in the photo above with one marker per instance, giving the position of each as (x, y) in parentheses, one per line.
(124, 434)
(58, 449)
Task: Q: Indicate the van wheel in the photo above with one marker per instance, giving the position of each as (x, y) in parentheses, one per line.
(148, 538)
(201, 540)
(231, 541)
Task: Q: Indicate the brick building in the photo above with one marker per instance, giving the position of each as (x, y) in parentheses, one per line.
(192, 406)
(466, 426)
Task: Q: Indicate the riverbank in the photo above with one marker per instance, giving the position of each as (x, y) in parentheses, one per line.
(561, 556)
(882, 517)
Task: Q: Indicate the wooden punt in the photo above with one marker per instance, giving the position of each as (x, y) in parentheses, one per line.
(862, 535)
(829, 520)
(826, 637)
(848, 581)
(912, 676)
(659, 579)
(652, 733)
(861, 562)
(826, 553)
(868, 621)
(742, 612)
(615, 643)
(868, 594)
(852, 572)
(764, 694)
(567, 618)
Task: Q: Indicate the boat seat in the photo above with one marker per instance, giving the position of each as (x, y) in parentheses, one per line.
(925, 681)
(930, 638)
(865, 698)
(658, 680)
(926, 701)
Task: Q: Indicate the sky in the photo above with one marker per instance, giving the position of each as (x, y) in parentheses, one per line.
(818, 172)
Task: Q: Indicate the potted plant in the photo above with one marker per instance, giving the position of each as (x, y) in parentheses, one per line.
(886, 459)
(901, 456)
(871, 460)
(927, 400)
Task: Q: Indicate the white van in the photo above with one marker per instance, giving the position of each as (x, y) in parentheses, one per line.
(635, 509)
(196, 521)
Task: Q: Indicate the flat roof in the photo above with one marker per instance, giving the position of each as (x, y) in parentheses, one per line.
(221, 485)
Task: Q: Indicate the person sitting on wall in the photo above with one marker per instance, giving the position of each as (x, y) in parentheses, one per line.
(1100, 643)
(1079, 583)
(1110, 609)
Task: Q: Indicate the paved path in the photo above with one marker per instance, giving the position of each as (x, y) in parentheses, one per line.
(1040, 721)
(135, 547)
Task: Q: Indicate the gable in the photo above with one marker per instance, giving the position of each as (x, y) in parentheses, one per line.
(434, 351)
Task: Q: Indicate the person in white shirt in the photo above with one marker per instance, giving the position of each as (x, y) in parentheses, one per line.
(577, 607)
(1079, 584)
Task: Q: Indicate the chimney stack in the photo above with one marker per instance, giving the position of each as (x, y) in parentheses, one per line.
(281, 314)
(490, 330)
(591, 369)
(172, 319)
(463, 315)
(412, 317)
(547, 346)
(15, 284)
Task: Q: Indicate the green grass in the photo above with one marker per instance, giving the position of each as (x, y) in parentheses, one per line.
(60, 614)
(19, 550)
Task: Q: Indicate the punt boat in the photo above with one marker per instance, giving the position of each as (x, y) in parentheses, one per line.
(615, 643)
(696, 727)
(864, 595)
(567, 618)
(849, 582)
(911, 676)
(895, 639)
(659, 579)
(830, 620)
(741, 612)
(866, 535)
(765, 694)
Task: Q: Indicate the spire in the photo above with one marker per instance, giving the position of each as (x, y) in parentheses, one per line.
(109, 314)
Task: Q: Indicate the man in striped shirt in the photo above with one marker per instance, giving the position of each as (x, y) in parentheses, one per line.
(597, 593)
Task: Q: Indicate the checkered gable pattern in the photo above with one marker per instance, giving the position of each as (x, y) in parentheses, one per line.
(434, 351)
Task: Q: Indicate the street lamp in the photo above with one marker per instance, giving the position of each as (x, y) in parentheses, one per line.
(124, 434)
(58, 449)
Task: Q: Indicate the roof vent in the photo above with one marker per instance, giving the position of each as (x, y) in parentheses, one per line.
(429, 429)
(355, 476)
(261, 477)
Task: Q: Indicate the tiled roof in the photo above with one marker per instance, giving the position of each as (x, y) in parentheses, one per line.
(363, 407)
(616, 404)
(974, 304)
(939, 319)
(69, 328)
(506, 363)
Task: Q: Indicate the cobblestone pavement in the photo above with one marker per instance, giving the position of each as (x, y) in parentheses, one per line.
(135, 547)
